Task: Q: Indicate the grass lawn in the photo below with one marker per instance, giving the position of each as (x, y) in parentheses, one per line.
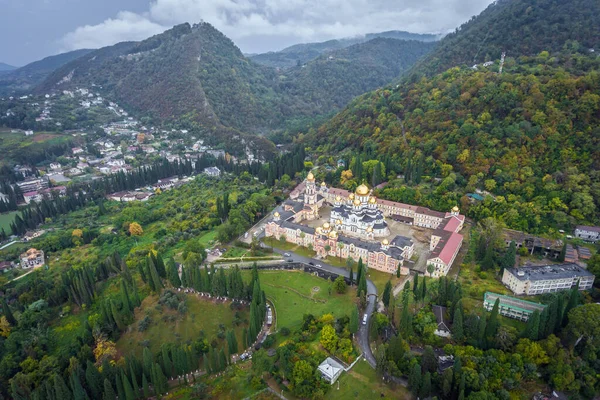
(292, 295)
(6, 219)
(300, 250)
(361, 382)
(207, 238)
(202, 315)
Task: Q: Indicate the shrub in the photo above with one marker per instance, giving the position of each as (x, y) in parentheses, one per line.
(144, 324)
(285, 331)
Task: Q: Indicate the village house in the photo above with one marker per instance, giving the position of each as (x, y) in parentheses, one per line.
(212, 171)
(32, 258)
(588, 233)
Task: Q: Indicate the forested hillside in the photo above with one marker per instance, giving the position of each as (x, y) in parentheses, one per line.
(518, 27)
(197, 78)
(301, 53)
(26, 77)
(530, 136)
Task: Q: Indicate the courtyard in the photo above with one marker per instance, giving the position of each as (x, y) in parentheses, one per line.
(419, 236)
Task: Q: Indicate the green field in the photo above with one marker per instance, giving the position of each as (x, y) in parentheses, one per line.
(202, 315)
(207, 238)
(6, 219)
(362, 382)
(295, 293)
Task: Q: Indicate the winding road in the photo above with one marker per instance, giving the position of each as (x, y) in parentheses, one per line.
(363, 330)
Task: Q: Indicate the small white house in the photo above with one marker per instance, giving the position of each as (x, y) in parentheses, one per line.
(330, 370)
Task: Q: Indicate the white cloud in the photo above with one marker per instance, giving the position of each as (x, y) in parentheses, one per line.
(274, 21)
(125, 26)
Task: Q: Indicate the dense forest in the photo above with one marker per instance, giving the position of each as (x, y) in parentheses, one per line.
(529, 136)
(517, 27)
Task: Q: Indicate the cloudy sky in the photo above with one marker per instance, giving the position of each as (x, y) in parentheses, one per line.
(32, 29)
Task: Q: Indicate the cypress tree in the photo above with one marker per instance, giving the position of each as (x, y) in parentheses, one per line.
(416, 285)
(245, 338)
(573, 302)
(492, 324)
(353, 325)
(423, 291)
(8, 313)
(457, 323)
(134, 384)
(387, 293)
(482, 329)
(426, 387)
(160, 266)
(93, 380)
(351, 277)
(145, 386)
(61, 390)
(533, 326)
(414, 379)
(206, 364)
(142, 272)
(120, 388)
(127, 305)
(129, 393)
(173, 274)
(508, 261)
(147, 361)
(488, 259)
(109, 392)
(116, 315)
(563, 253)
(166, 361)
(362, 285)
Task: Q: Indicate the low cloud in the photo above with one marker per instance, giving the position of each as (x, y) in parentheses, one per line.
(274, 23)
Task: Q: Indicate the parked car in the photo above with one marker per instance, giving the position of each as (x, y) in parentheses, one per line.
(290, 260)
(311, 263)
(318, 266)
(365, 319)
(287, 255)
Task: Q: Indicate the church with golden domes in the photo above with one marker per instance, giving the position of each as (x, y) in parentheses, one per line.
(358, 215)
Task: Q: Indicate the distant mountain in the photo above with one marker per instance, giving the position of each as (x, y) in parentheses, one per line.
(299, 54)
(5, 67)
(22, 79)
(197, 77)
(518, 27)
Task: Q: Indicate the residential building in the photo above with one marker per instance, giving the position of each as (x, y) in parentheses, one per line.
(212, 171)
(30, 185)
(330, 370)
(535, 280)
(442, 327)
(549, 248)
(588, 233)
(511, 307)
(32, 258)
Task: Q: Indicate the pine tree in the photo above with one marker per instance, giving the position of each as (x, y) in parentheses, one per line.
(109, 392)
(387, 293)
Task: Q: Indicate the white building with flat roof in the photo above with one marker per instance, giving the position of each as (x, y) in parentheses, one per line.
(535, 280)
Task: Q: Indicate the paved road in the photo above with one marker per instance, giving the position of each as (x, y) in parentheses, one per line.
(363, 331)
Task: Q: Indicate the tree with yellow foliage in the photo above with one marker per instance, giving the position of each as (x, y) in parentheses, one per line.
(77, 232)
(104, 349)
(135, 229)
(4, 327)
(346, 176)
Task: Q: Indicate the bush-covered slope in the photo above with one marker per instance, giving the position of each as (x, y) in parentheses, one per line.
(531, 134)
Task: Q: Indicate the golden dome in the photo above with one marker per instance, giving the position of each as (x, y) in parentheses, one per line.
(276, 214)
(370, 229)
(455, 209)
(337, 198)
(372, 200)
(318, 230)
(362, 190)
(339, 221)
(310, 177)
(323, 184)
(326, 225)
(357, 202)
(351, 196)
(333, 234)
(385, 242)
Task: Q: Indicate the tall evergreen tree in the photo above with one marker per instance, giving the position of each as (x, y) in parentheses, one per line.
(533, 326)
(416, 285)
(387, 292)
(109, 392)
(457, 323)
(8, 313)
(145, 386)
(492, 324)
(61, 390)
(127, 388)
(426, 387)
(173, 274)
(351, 277)
(415, 379)
(93, 380)
(353, 325)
